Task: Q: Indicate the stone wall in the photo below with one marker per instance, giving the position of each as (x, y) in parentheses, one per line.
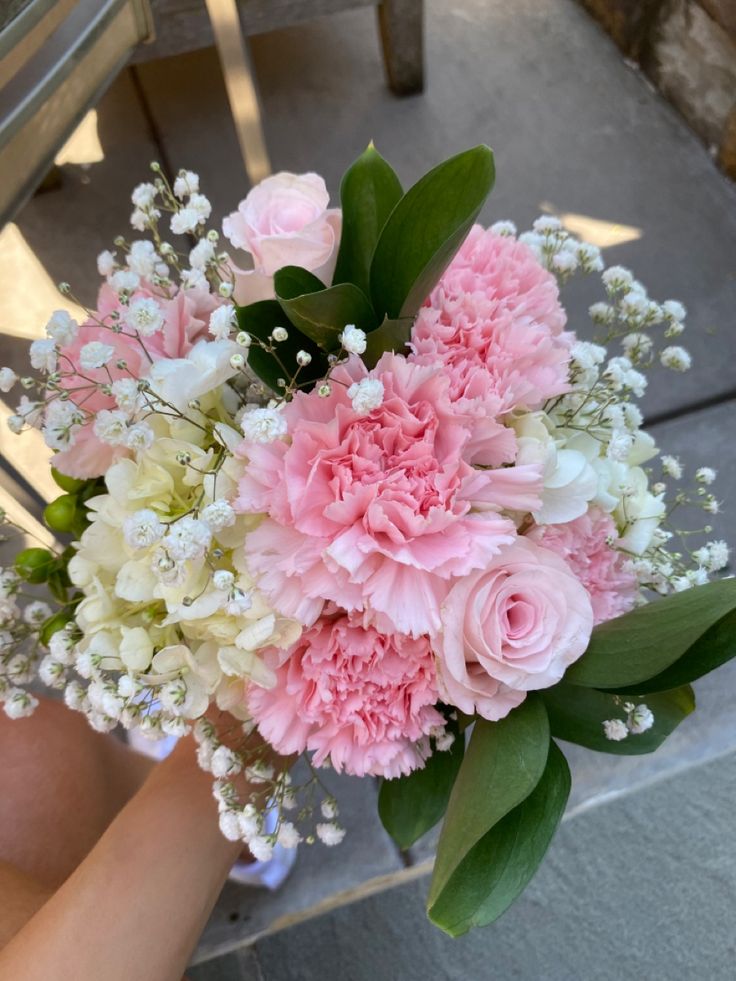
(688, 49)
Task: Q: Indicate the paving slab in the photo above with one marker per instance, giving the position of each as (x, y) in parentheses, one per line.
(574, 129)
(642, 887)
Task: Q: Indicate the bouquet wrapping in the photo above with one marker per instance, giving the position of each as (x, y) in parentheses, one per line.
(354, 490)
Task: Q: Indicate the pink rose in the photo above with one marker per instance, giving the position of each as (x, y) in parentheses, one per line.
(284, 221)
(511, 628)
(358, 698)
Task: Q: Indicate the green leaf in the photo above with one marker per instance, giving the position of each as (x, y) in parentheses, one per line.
(641, 645)
(260, 319)
(577, 715)
(425, 230)
(291, 281)
(716, 646)
(322, 315)
(369, 192)
(409, 806)
(392, 335)
(502, 765)
(499, 866)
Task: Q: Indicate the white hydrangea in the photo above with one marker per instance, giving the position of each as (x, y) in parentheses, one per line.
(263, 425)
(95, 354)
(366, 395)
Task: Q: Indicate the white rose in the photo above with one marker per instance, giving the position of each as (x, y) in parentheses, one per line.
(136, 648)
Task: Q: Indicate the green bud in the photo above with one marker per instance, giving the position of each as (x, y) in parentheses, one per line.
(60, 514)
(34, 564)
(69, 484)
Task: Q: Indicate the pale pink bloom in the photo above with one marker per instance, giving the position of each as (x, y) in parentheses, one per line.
(361, 699)
(510, 628)
(284, 221)
(585, 544)
(376, 512)
(88, 456)
(495, 322)
(186, 315)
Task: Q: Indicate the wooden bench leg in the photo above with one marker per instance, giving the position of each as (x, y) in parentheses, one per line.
(402, 36)
(241, 89)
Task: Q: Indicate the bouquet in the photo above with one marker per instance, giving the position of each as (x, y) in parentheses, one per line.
(368, 494)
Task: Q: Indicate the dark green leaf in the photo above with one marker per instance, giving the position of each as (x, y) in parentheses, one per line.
(409, 806)
(259, 319)
(291, 281)
(392, 335)
(369, 192)
(577, 715)
(425, 230)
(322, 316)
(630, 650)
(502, 765)
(500, 865)
(710, 651)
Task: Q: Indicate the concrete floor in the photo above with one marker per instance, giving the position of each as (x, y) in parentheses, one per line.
(575, 132)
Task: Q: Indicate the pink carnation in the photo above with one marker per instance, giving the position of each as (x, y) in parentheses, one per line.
(186, 317)
(585, 544)
(375, 512)
(361, 699)
(495, 322)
